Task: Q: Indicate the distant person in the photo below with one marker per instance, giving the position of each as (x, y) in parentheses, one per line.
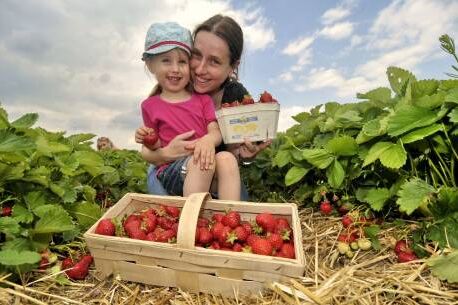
(172, 110)
(104, 143)
(216, 54)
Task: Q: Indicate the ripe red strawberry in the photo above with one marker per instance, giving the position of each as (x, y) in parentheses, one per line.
(202, 222)
(346, 238)
(251, 238)
(247, 100)
(283, 228)
(149, 223)
(276, 240)
(231, 219)
(133, 229)
(130, 218)
(237, 247)
(241, 233)
(217, 217)
(44, 262)
(106, 227)
(6, 211)
(262, 246)
(402, 246)
(165, 222)
(167, 236)
(150, 140)
(79, 270)
(287, 251)
(247, 226)
(326, 207)
(266, 97)
(347, 221)
(172, 211)
(226, 237)
(205, 236)
(266, 221)
(216, 230)
(215, 245)
(404, 257)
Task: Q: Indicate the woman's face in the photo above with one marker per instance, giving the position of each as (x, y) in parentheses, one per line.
(210, 62)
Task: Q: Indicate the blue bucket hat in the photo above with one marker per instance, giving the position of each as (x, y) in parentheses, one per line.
(163, 37)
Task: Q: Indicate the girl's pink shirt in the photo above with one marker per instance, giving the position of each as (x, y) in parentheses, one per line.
(171, 119)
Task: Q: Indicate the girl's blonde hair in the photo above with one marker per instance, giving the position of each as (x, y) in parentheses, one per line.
(158, 89)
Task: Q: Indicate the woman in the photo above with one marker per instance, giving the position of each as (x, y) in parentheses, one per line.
(218, 46)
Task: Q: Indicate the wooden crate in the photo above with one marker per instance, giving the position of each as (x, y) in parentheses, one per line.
(188, 267)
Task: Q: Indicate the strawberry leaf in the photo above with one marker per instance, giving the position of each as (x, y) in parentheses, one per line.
(408, 117)
(372, 232)
(421, 133)
(318, 157)
(25, 121)
(21, 214)
(430, 101)
(452, 96)
(413, 194)
(375, 152)
(453, 115)
(15, 258)
(9, 226)
(382, 94)
(53, 219)
(398, 79)
(376, 197)
(335, 174)
(424, 87)
(394, 157)
(295, 174)
(282, 158)
(342, 146)
(445, 267)
(10, 142)
(86, 213)
(48, 147)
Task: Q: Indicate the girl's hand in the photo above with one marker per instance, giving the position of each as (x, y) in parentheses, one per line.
(248, 150)
(204, 152)
(141, 132)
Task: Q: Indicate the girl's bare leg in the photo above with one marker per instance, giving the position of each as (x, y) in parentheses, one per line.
(197, 180)
(227, 176)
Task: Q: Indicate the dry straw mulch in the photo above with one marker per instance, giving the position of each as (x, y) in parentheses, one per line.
(370, 277)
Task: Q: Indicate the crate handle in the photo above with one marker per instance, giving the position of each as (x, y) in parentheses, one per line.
(188, 219)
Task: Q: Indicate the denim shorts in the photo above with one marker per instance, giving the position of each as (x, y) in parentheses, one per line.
(172, 177)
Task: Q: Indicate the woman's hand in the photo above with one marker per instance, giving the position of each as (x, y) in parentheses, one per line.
(180, 146)
(204, 152)
(249, 150)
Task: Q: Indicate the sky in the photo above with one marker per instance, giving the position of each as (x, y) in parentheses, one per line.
(77, 63)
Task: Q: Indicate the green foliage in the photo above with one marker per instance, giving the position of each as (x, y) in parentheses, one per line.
(53, 182)
(445, 266)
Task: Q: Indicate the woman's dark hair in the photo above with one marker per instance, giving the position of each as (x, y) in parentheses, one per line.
(228, 30)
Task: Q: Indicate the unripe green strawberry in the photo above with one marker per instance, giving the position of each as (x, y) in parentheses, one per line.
(354, 245)
(350, 254)
(364, 244)
(343, 247)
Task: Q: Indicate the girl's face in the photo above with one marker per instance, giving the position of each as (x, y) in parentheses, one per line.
(171, 70)
(210, 62)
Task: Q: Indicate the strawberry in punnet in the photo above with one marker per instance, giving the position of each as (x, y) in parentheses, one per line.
(204, 236)
(262, 246)
(266, 97)
(237, 247)
(172, 211)
(325, 207)
(226, 238)
(165, 222)
(106, 227)
(217, 217)
(247, 100)
(275, 239)
(266, 221)
(287, 251)
(6, 211)
(216, 230)
(251, 238)
(231, 219)
(215, 245)
(202, 222)
(134, 230)
(247, 226)
(283, 228)
(240, 233)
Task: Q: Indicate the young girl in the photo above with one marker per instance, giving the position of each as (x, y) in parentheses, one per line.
(172, 109)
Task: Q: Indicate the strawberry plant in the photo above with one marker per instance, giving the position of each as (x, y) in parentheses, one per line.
(53, 187)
